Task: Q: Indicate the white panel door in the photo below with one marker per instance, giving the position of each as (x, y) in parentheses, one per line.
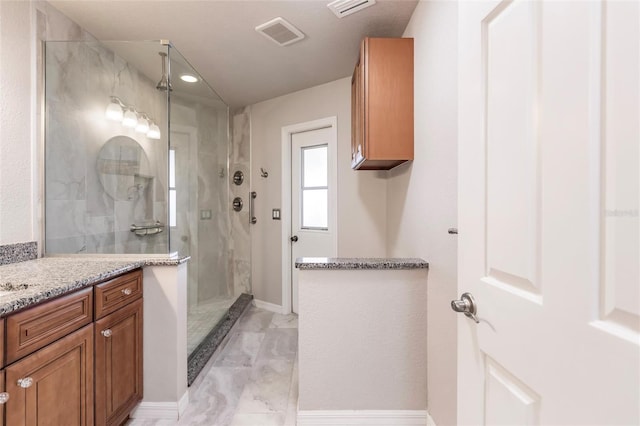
(549, 189)
(313, 227)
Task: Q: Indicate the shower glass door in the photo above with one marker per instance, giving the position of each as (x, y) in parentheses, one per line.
(199, 194)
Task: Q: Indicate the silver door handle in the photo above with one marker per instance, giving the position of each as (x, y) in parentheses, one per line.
(466, 305)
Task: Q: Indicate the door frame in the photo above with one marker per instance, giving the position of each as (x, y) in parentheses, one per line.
(287, 132)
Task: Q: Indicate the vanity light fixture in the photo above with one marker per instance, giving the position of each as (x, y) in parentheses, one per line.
(154, 131)
(130, 118)
(114, 109)
(143, 124)
(188, 78)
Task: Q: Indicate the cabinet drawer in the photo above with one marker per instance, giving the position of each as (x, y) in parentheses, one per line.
(34, 328)
(114, 294)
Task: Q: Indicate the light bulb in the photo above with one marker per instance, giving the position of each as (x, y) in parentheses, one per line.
(143, 125)
(114, 110)
(130, 119)
(188, 78)
(154, 131)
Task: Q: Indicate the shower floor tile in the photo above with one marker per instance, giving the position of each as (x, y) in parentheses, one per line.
(203, 317)
(253, 381)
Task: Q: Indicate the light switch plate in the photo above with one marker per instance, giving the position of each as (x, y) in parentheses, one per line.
(205, 214)
(275, 214)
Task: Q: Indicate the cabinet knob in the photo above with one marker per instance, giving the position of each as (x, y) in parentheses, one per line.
(126, 291)
(4, 397)
(25, 383)
(106, 333)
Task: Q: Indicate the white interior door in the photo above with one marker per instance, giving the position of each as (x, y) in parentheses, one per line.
(313, 228)
(548, 212)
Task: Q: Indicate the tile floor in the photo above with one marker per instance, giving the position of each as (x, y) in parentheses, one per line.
(252, 381)
(202, 317)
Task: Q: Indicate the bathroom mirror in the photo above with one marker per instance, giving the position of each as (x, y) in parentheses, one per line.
(123, 168)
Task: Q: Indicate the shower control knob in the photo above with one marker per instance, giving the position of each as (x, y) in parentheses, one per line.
(294, 239)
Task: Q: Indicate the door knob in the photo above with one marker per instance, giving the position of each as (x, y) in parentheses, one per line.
(294, 239)
(466, 305)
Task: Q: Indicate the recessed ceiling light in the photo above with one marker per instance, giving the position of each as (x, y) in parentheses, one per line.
(188, 78)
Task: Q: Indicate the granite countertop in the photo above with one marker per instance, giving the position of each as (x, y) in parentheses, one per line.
(338, 263)
(27, 283)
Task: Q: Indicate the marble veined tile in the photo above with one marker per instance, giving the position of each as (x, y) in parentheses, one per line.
(241, 351)
(216, 398)
(268, 389)
(260, 419)
(284, 321)
(279, 343)
(255, 320)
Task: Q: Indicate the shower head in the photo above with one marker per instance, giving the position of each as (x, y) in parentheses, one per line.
(164, 82)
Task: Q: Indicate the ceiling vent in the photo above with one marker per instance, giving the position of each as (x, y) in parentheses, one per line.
(280, 32)
(342, 8)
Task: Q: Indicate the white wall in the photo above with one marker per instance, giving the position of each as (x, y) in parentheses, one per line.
(23, 25)
(362, 341)
(16, 135)
(422, 196)
(361, 195)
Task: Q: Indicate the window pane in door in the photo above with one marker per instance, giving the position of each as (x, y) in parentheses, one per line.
(314, 164)
(315, 212)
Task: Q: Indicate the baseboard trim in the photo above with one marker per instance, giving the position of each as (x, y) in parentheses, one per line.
(363, 417)
(161, 410)
(271, 307)
(430, 421)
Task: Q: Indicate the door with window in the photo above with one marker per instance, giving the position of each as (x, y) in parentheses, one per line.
(549, 247)
(313, 232)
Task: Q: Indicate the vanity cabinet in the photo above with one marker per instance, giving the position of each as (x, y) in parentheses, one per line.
(382, 104)
(118, 356)
(75, 360)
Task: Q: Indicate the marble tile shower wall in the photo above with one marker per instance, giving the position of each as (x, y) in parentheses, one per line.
(240, 159)
(81, 217)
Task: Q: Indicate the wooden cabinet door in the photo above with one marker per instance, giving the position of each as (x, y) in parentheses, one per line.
(118, 339)
(53, 386)
(3, 395)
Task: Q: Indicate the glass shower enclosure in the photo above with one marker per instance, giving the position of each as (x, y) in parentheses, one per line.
(136, 163)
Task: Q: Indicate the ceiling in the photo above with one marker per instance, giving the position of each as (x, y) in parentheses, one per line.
(218, 38)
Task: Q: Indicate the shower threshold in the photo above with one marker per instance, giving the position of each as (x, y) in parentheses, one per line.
(203, 352)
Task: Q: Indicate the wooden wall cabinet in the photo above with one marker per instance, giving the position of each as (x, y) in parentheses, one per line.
(382, 104)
